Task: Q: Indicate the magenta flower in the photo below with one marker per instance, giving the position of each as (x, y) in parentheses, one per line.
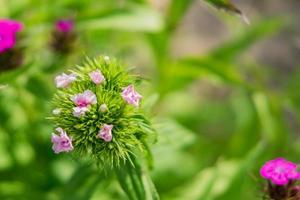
(64, 80)
(84, 99)
(131, 96)
(280, 171)
(8, 30)
(97, 77)
(105, 133)
(61, 143)
(64, 25)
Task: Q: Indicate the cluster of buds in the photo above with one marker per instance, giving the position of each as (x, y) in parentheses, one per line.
(63, 36)
(282, 176)
(10, 56)
(96, 112)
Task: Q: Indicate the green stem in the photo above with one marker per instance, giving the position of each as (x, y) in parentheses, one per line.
(136, 182)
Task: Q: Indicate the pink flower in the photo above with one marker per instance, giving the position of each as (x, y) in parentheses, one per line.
(97, 77)
(105, 133)
(64, 25)
(280, 171)
(79, 111)
(62, 143)
(131, 96)
(84, 99)
(64, 80)
(8, 30)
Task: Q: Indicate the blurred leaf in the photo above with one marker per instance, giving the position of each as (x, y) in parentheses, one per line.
(176, 11)
(238, 180)
(220, 182)
(189, 69)
(246, 125)
(224, 71)
(248, 37)
(172, 133)
(11, 75)
(136, 18)
(265, 116)
(83, 183)
(220, 62)
(270, 120)
(228, 6)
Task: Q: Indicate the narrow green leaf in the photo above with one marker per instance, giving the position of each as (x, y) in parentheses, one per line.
(220, 181)
(237, 181)
(135, 18)
(248, 37)
(176, 11)
(227, 5)
(265, 116)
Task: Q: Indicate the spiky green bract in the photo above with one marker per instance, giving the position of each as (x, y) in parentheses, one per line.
(130, 126)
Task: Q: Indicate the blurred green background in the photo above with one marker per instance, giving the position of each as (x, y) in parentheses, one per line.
(224, 95)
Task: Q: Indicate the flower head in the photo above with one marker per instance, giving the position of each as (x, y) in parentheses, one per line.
(64, 80)
(61, 143)
(64, 36)
(8, 30)
(131, 96)
(97, 77)
(108, 136)
(105, 133)
(280, 171)
(64, 25)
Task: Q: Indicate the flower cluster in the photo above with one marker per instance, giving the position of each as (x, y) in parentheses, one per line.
(282, 176)
(96, 110)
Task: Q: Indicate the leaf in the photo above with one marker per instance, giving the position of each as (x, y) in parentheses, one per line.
(11, 75)
(176, 11)
(221, 181)
(83, 183)
(270, 120)
(220, 62)
(228, 6)
(237, 181)
(265, 28)
(135, 18)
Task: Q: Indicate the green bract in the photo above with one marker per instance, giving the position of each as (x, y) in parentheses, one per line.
(130, 127)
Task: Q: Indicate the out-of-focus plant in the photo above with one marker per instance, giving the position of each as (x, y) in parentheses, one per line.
(11, 56)
(202, 140)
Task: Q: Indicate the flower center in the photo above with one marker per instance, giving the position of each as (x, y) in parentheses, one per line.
(280, 170)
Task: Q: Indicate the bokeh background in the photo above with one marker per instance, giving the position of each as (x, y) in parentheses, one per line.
(223, 95)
